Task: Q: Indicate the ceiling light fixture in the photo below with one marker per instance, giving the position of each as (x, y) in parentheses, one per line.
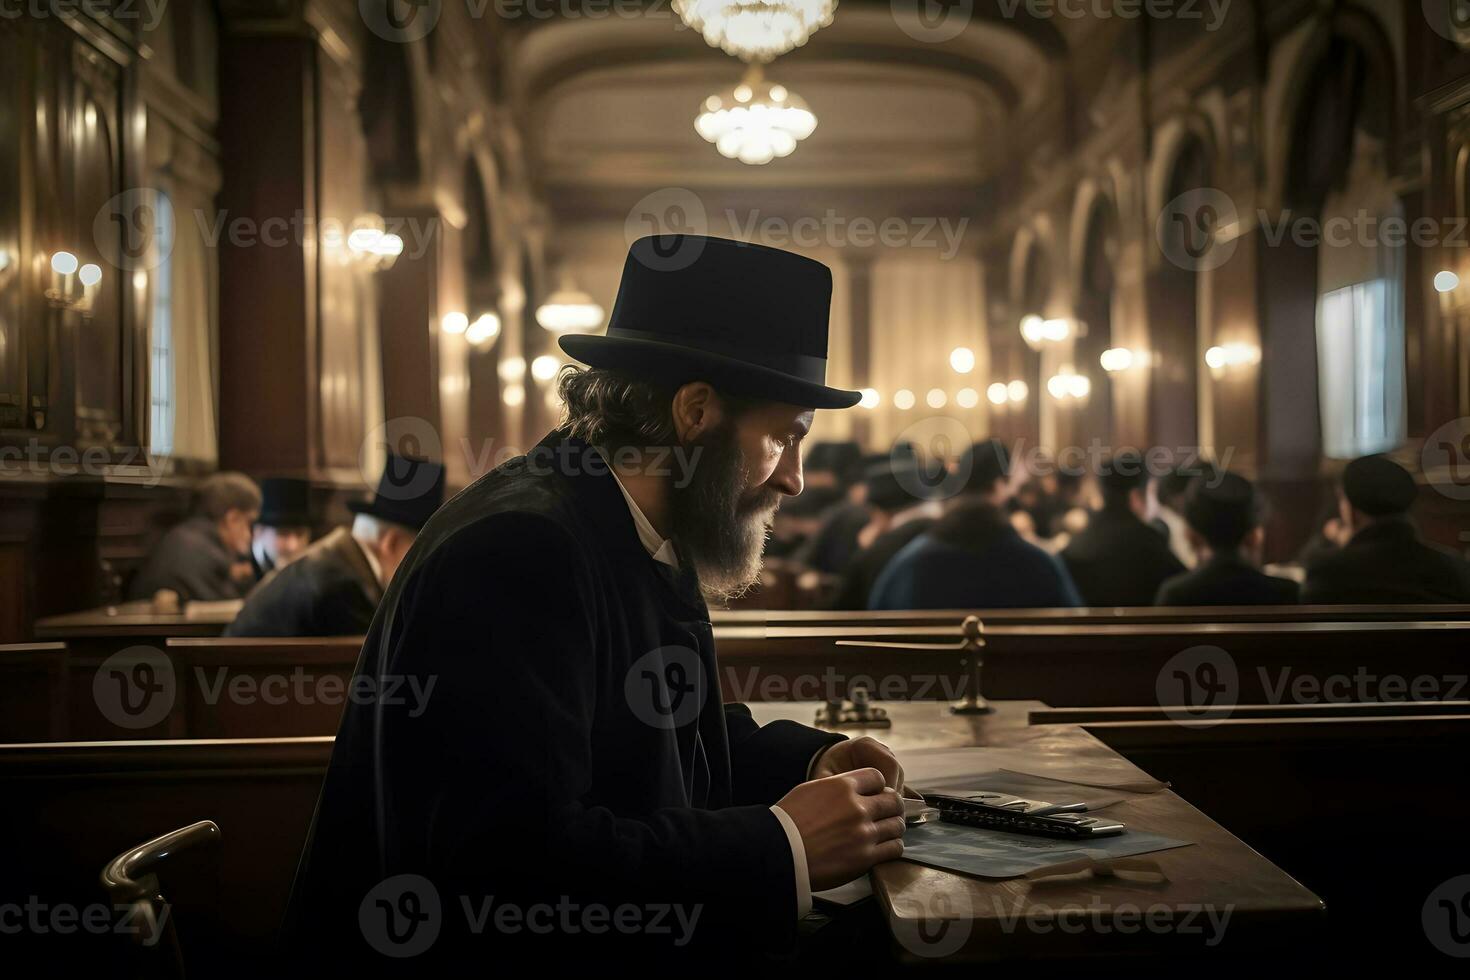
(756, 30)
(755, 121)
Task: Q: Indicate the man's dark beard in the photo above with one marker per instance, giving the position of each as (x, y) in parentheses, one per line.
(722, 532)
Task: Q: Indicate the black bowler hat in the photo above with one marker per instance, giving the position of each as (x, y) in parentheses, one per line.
(1378, 486)
(748, 319)
(986, 464)
(409, 492)
(284, 502)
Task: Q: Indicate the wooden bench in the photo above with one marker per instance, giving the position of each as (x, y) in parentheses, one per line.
(33, 691)
(1115, 664)
(1095, 616)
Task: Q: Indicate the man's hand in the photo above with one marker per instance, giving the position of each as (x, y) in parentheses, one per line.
(860, 753)
(848, 823)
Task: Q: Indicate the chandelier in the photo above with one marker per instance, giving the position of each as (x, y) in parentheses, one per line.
(755, 121)
(755, 30)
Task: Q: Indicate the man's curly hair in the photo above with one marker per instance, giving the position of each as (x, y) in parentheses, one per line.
(614, 410)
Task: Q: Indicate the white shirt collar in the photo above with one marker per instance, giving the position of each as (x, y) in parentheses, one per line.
(372, 561)
(659, 548)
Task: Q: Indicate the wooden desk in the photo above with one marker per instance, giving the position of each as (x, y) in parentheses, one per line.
(132, 620)
(937, 915)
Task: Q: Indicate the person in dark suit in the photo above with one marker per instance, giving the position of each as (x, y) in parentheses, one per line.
(1384, 560)
(1119, 560)
(283, 529)
(334, 587)
(205, 556)
(1226, 533)
(973, 558)
(574, 751)
(901, 510)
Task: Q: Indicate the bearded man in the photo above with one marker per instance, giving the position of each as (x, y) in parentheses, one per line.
(569, 759)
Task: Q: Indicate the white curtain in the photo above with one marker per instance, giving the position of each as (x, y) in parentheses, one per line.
(923, 308)
(1360, 317)
(193, 307)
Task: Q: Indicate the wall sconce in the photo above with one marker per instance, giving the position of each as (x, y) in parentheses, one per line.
(569, 310)
(1116, 360)
(73, 286)
(483, 331)
(1002, 393)
(1232, 356)
(511, 370)
(1068, 385)
(1038, 332)
(544, 368)
(371, 246)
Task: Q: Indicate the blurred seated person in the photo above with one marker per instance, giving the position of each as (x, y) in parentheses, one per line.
(901, 509)
(283, 529)
(973, 558)
(1384, 560)
(833, 542)
(1328, 536)
(1225, 530)
(1118, 560)
(205, 557)
(334, 587)
(1166, 510)
(825, 509)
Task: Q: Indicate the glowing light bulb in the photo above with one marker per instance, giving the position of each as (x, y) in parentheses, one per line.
(90, 274)
(998, 393)
(455, 323)
(967, 398)
(903, 400)
(871, 399)
(64, 263)
(544, 368)
(962, 359)
(1446, 282)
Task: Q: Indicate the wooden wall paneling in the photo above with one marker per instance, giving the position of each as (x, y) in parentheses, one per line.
(268, 417)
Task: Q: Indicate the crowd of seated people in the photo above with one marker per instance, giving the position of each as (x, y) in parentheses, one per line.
(897, 532)
(252, 544)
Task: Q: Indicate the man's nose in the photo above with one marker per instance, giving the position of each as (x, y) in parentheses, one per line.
(787, 477)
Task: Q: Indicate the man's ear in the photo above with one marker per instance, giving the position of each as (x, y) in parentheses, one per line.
(696, 410)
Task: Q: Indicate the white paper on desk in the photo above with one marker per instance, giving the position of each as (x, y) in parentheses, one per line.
(997, 854)
(926, 768)
(849, 894)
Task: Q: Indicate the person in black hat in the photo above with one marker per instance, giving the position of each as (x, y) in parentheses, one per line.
(1119, 560)
(1384, 560)
(1226, 534)
(334, 587)
(283, 529)
(576, 749)
(974, 558)
(901, 509)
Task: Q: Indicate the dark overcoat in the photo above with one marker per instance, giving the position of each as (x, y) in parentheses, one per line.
(191, 560)
(329, 590)
(571, 748)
